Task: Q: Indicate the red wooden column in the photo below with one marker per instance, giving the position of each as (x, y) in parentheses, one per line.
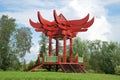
(50, 46)
(64, 50)
(57, 50)
(71, 50)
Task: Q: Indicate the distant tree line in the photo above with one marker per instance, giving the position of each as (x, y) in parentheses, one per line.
(100, 56)
(15, 42)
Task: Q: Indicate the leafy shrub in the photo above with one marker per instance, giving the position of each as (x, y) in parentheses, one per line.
(117, 70)
(91, 71)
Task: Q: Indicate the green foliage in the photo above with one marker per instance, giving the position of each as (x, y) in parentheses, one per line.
(100, 56)
(31, 64)
(104, 56)
(79, 46)
(117, 70)
(109, 57)
(24, 43)
(23, 38)
(13, 41)
(7, 28)
(43, 44)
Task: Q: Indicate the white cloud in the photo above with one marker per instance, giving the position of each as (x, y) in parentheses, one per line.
(101, 28)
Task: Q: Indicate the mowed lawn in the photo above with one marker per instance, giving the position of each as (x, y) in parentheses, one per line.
(55, 76)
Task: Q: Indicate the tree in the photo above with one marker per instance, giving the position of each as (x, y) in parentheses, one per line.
(7, 27)
(110, 57)
(13, 41)
(104, 56)
(43, 44)
(94, 48)
(79, 46)
(24, 43)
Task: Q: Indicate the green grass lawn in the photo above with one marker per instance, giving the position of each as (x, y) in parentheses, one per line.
(55, 76)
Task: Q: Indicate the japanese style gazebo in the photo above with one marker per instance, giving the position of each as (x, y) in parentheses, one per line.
(61, 29)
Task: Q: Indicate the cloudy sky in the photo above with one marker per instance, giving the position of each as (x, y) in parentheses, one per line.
(106, 12)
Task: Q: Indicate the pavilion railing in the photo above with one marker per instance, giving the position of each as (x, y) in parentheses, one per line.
(48, 59)
(56, 59)
(79, 60)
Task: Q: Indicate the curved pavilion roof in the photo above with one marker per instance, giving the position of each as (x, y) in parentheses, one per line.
(61, 27)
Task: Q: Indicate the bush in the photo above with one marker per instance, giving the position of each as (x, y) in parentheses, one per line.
(91, 71)
(117, 70)
(30, 65)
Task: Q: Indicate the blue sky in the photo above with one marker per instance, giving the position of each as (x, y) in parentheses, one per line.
(113, 9)
(106, 12)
